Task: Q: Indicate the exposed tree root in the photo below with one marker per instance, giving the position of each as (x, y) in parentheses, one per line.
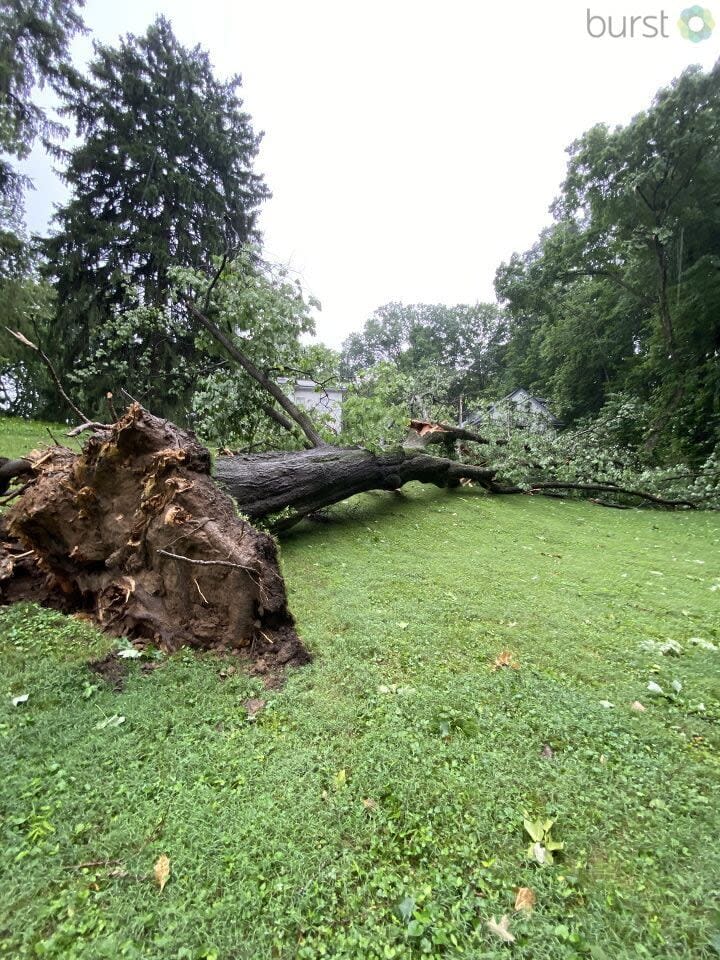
(135, 531)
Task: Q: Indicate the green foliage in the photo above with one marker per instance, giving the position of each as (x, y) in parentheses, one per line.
(26, 304)
(376, 406)
(604, 449)
(374, 808)
(34, 40)
(162, 178)
(444, 352)
(622, 294)
(266, 311)
(543, 847)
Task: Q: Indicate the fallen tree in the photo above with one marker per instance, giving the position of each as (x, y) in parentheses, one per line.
(284, 487)
(135, 531)
(287, 486)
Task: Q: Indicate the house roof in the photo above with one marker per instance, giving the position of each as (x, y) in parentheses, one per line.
(312, 385)
(477, 417)
(531, 396)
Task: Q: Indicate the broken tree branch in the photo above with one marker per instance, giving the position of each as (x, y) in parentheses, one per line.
(425, 432)
(295, 414)
(610, 488)
(88, 425)
(21, 338)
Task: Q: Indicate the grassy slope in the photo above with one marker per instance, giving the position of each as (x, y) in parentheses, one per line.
(405, 603)
(18, 437)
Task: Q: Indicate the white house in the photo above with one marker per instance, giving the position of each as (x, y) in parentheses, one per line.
(310, 396)
(520, 410)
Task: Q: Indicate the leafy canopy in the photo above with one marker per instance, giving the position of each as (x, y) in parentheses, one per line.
(163, 178)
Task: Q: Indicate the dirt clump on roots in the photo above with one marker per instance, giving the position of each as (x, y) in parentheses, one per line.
(135, 532)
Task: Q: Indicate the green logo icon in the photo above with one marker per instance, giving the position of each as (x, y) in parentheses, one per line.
(696, 24)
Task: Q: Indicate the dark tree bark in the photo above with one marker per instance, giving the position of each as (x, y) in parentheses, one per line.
(300, 482)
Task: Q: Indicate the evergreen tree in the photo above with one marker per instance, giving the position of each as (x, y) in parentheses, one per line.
(34, 40)
(164, 178)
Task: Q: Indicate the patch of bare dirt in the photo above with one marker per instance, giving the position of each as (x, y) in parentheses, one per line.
(110, 669)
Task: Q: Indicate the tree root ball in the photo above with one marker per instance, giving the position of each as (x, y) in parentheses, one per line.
(135, 531)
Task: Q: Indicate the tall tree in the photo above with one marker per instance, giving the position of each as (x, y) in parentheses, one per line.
(34, 39)
(442, 352)
(163, 178)
(34, 52)
(621, 293)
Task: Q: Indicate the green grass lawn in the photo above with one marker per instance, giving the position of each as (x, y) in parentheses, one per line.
(18, 437)
(375, 807)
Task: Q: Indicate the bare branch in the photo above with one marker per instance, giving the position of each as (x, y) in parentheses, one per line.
(206, 563)
(48, 363)
(88, 425)
(216, 277)
(610, 488)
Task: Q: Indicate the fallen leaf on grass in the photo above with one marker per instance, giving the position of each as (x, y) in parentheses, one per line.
(505, 659)
(162, 871)
(525, 900)
(500, 929)
(370, 804)
(637, 707)
(113, 721)
(253, 707)
(539, 852)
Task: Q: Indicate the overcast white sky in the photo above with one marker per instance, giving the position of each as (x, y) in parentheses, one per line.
(410, 145)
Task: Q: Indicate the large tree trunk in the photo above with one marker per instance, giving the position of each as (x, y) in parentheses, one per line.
(135, 531)
(288, 486)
